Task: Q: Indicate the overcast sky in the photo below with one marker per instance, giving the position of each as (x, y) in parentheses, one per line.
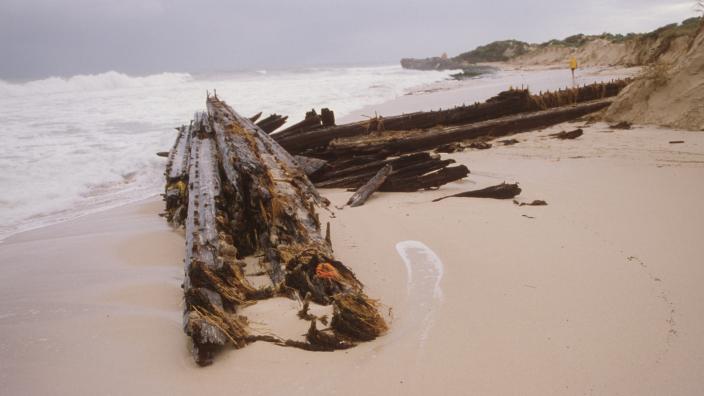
(40, 38)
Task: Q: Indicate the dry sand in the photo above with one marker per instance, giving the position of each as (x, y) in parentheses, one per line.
(597, 293)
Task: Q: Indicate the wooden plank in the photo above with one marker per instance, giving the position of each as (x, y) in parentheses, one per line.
(363, 193)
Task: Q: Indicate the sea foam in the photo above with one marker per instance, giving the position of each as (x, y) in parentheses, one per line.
(71, 146)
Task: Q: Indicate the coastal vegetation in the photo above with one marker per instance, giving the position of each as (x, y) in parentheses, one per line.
(632, 49)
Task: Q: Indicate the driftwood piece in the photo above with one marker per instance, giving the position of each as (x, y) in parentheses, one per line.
(480, 145)
(564, 135)
(499, 191)
(409, 141)
(363, 193)
(621, 125)
(676, 141)
(535, 202)
(255, 117)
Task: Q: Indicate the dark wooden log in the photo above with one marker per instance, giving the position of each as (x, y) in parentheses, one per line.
(421, 168)
(499, 191)
(408, 141)
(564, 135)
(310, 122)
(340, 169)
(406, 166)
(327, 117)
(272, 123)
(255, 117)
(505, 103)
(536, 202)
(427, 181)
(363, 193)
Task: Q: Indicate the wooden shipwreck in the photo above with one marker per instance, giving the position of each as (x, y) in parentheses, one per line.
(241, 189)
(239, 194)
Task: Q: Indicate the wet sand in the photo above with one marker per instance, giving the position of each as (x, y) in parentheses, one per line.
(597, 293)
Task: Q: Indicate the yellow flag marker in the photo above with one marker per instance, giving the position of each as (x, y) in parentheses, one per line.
(573, 66)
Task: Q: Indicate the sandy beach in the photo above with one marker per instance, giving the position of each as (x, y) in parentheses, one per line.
(596, 293)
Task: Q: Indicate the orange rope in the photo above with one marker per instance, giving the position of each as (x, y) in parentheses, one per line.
(326, 271)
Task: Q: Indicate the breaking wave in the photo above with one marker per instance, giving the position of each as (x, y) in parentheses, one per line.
(91, 82)
(71, 146)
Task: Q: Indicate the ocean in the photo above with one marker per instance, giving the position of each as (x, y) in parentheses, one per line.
(73, 146)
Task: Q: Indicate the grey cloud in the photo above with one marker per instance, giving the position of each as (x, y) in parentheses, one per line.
(49, 37)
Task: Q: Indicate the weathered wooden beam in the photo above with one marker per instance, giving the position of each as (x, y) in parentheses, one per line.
(403, 167)
(408, 141)
(499, 191)
(310, 122)
(272, 123)
(426, 181)
(340, 169)
(176, 194)
(505, 103)
(327, 117)
(363, 193)
(205, 317)
(177, 165)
